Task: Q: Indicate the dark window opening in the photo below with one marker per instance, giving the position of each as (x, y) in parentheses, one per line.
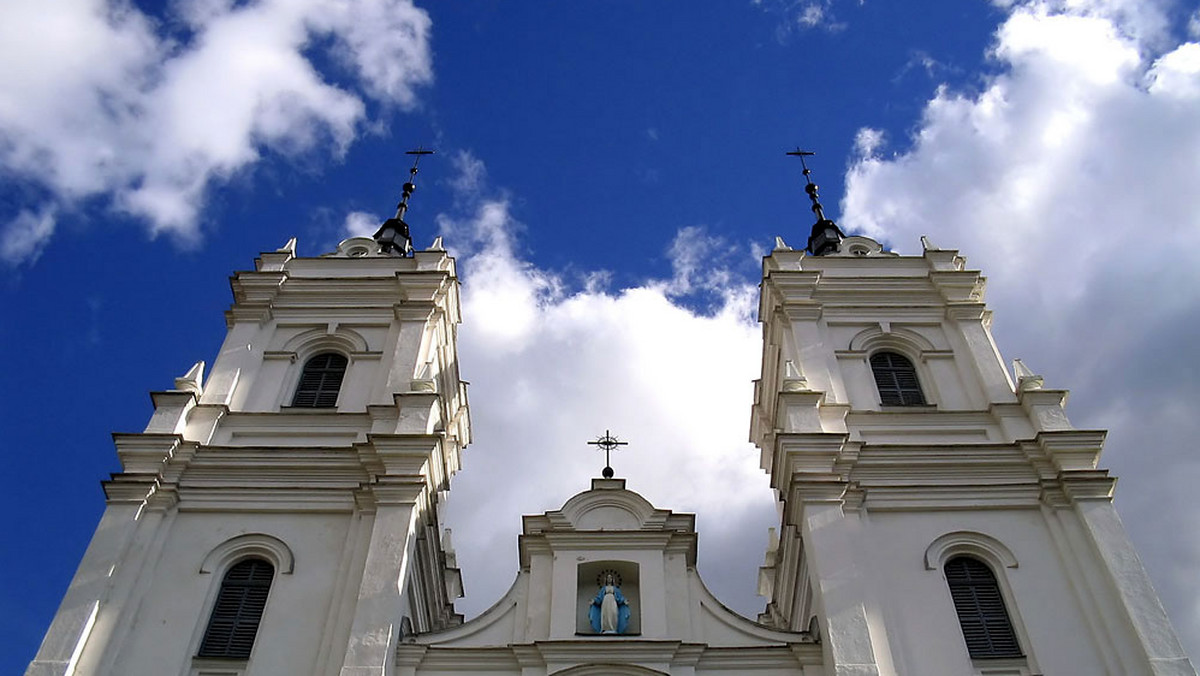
(896, 378)
(980, 607)
(320, 381)
(238, 610)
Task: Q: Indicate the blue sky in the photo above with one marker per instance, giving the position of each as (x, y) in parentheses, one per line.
(608, 175)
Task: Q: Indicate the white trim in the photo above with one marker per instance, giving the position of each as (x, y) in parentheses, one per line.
(608, 670)
(251, 544)
(972, 543)
(333, 337)
(905, 341)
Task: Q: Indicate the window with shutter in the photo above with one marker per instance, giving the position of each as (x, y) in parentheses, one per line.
(238, 610)
(896, 378)
(320, 381)
(980, 607)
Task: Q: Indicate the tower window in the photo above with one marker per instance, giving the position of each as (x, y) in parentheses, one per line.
(320, 381)
(238, 610)
(896, 378)
(980, 607)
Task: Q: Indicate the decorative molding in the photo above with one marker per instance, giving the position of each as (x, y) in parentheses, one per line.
(968, 542)
(903, 339)
(331, 336)
(250, 544)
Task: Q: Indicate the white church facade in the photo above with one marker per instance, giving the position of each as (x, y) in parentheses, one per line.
(280, 514)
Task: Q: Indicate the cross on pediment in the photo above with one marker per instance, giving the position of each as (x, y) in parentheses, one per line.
(608, 442)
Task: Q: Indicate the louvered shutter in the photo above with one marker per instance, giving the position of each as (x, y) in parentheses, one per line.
(238, 610)
(320, 381)
(980, 607)
(896, 378)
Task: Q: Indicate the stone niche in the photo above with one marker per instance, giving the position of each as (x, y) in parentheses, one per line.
(590, 576)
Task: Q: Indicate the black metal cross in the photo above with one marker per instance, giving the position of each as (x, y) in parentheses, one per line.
(608, 442)
(802, 154)
(418, 152)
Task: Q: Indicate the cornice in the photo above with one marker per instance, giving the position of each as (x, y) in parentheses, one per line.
(814, 488)
(800, 311)
(396, 454)
(798, 453)
(965, 311)
(789, 656)
(624, 651)
(146, 453)
(684, 543)
(278, 499)
(959, 285)
(257, 313)
(605, 649)
(254, 287)
(124, 489)
(972, 496)
(1072, 449)
(415, 312)
(1056, 469)
(162, 497)
(474, 660)
(410, 654)
(1093, 485)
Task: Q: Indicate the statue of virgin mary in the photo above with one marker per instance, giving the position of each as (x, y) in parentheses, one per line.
(609, 613)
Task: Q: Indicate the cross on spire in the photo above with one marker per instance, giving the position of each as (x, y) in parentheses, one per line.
(608, 442)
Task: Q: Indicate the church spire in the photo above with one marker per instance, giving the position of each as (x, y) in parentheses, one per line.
(825, 235)
(393, 236)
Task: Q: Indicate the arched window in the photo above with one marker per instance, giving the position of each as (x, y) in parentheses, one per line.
(238, 610)
(320, 381)
(896, 378)
(980, 607)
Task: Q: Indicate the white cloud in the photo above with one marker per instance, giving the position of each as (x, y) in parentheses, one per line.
(360, 224)
(97, 99)
(470, 176)
(1070, 180)
(810, 15)
(867, 142)
(802, 15)
(25, 236)
(551, 368)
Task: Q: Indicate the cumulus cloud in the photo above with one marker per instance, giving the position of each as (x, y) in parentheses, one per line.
(1069, 179)
(98, 99)
(360, 224)
(554, 363)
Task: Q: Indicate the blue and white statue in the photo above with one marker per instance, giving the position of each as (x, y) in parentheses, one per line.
(609, 613)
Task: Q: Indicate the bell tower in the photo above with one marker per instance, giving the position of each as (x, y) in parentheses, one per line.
(279, 514)
(938, 516)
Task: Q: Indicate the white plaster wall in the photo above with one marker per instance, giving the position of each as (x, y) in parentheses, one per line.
(914, 603)
(175, 598)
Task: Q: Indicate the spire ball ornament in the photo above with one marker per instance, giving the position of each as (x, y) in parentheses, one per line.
(608, 442)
